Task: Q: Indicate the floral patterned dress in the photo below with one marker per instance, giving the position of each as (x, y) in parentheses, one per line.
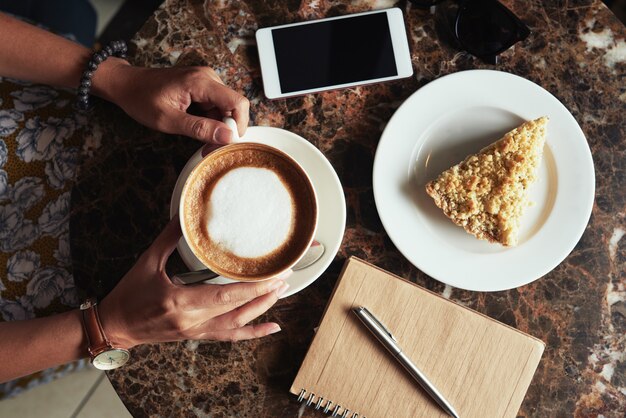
(42, 143)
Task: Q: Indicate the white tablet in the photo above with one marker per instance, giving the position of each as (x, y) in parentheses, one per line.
(333, 53)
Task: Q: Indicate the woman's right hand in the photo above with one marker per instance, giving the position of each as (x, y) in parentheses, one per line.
(146, 306)
(160, 97)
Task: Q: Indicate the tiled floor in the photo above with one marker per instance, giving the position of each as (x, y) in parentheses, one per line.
(84, 394)
(102, 403)
(106, 9)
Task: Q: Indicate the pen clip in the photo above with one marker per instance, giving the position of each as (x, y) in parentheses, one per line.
(380, 324)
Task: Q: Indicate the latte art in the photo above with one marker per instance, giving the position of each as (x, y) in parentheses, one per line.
(250, 212)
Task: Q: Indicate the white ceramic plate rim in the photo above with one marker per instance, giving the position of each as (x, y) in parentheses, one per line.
(452, 265)
(331, 202)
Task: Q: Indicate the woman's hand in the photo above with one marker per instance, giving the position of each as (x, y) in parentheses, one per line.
(160, 97)
(156, 97)
(147, 307)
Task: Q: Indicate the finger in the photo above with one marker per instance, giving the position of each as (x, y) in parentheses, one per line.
(285, 274)
(206, 110)
(212, 74)
(245, 333)
(219, 299)
(203, 109)
(241, 114)
(167, 240)
(200, 128)
(226, 100)
(240, 317)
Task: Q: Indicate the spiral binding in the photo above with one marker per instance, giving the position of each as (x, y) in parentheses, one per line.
(328, 408)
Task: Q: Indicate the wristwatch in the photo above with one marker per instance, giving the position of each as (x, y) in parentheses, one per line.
(104, 355)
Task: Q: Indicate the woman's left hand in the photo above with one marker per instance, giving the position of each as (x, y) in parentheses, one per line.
(160, 97)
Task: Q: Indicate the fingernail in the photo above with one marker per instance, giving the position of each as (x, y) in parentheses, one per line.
(276, 328)
(222, 135)
(277, 284)
(281, 291)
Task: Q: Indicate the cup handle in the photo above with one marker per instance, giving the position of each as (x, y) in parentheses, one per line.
(193, 277)
(230, 122)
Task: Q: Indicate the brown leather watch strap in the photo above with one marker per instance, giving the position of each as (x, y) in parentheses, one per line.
(97, 341)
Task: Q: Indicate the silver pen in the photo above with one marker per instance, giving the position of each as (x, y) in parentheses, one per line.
(383, 335)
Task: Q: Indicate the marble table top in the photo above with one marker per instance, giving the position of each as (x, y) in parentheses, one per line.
(577, 51)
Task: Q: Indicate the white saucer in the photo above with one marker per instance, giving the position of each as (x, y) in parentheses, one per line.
(438, 126)
(330, 199)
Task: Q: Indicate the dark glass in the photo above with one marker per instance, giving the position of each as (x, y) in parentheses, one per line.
(484, 28)
(425, 3)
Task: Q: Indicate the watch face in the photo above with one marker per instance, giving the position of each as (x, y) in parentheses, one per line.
(111, 359)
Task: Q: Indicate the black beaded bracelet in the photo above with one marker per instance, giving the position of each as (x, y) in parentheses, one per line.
(116, 49)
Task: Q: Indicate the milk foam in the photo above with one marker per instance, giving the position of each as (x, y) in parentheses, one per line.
(250, 212)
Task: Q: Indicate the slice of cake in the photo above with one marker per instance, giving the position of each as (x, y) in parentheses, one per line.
(487, 192)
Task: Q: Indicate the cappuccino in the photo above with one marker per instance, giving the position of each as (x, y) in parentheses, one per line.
(248, 211)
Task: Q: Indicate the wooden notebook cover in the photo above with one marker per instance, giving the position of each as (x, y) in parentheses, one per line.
(480, 365)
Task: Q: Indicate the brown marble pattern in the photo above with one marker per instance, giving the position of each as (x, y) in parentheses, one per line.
(577, 51)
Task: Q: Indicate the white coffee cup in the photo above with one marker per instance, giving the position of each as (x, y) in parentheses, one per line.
(205, 225)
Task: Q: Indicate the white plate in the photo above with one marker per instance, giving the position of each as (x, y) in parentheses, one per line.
(330, 199)
(437, 127)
